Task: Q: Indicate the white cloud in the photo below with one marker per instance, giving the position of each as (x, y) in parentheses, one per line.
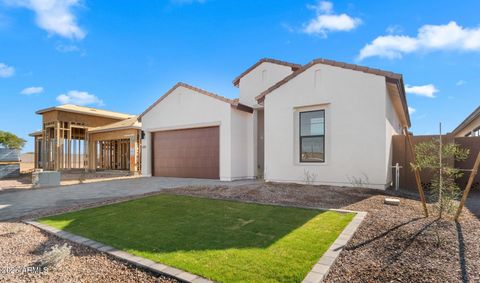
(54, 16)
(326, 21)
(429, 38)
(32, 90)
(461, 82)
(411, 110)
(428, 90)
(6, 71)
(79, 98)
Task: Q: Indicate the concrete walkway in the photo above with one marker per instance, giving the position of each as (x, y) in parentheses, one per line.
(17, 204)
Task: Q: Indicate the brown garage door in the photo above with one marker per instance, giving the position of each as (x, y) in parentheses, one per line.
(190, 153)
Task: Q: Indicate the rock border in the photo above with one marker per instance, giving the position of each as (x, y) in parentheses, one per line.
(316, 275)
(132, 259)
(320, 270)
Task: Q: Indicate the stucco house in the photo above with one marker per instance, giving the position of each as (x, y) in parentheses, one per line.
(324, 122)
(470, 127)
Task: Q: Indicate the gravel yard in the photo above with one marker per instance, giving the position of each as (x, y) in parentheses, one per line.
(394, 244)
(23, 245)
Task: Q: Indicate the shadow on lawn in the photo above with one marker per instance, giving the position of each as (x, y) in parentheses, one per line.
(186, 224)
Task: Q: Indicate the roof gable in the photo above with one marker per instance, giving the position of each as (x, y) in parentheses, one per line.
(467, 121)
(233, 102)
(390, 77)
(294, 67)
(305, 67)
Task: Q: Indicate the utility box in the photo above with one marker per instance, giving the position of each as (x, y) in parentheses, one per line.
(9, 163)
(42, 178)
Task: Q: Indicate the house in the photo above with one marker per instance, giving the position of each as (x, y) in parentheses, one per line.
(324, 122)
(77, 137)
(470, 127)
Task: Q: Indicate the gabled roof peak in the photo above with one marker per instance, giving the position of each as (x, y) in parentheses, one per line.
(294, 67)
(233, 102)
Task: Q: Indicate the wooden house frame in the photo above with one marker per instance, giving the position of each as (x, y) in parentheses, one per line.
(76, 137)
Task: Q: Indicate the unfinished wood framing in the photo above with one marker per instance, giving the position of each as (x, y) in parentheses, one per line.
(468, 187)
(75, 140)
(421, 192)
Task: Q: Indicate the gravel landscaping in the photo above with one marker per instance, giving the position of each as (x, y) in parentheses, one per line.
(23, 245)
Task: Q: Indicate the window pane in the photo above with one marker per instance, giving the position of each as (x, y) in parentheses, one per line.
(312, 149)
(312, 123)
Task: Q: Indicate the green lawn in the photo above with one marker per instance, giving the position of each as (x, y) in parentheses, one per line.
(224, 241)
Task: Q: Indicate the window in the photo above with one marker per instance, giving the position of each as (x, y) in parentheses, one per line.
(474, 133)
(312, 136)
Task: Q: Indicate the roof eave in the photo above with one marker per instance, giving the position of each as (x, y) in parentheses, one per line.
(114, 129)
(468, 120)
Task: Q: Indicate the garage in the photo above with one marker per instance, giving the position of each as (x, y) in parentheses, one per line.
(186, 153)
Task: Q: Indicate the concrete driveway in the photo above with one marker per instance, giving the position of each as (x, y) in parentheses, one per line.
(17, 204)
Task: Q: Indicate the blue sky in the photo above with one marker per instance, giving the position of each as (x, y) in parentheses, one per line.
(122, 55)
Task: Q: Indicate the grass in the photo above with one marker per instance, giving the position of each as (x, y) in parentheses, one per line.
(224, 241)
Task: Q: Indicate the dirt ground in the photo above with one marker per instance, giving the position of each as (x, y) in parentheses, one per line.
(67, 178)
(393, 244)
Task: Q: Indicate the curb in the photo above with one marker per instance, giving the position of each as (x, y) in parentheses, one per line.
(132, 259)
(322, 267)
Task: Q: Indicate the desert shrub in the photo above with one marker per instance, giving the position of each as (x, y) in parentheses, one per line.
(55, 256)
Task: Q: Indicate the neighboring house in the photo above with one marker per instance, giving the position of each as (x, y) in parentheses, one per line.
(325, 122)
(76, 137)
(470, 127)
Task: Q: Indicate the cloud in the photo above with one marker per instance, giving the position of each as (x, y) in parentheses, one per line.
(32, 90)
(54, 16)
(411, 110)
(461, 82)
(79, 98)
(326, 21)
(429, 38)
(428, 90)
(6, 71)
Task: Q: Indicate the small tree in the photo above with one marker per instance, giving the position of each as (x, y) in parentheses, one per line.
(11, 141)
(438, 157)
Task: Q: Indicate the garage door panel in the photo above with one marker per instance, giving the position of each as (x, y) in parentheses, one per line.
(192, 153)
